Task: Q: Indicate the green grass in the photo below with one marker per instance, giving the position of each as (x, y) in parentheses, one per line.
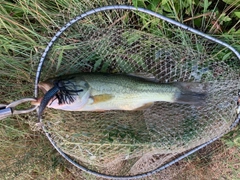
(25, 29)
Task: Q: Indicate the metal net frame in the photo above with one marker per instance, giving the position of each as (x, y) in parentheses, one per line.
(118, 46)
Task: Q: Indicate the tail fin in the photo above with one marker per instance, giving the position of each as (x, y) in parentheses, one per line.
(191, 93)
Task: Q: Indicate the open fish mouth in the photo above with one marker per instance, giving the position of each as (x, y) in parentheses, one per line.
(45, 87)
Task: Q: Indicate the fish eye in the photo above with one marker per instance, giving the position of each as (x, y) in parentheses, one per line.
(58, 83)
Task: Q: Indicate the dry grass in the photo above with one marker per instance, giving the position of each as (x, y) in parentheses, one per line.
(217, 161)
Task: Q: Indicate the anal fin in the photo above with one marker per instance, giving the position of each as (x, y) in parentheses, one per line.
(144, 107)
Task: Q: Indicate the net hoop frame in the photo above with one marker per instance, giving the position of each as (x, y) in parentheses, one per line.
(126, 7)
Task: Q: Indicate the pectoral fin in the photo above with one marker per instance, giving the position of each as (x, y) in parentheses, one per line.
(101, 98)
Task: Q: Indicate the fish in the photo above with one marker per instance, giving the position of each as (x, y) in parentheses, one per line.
(103, 92)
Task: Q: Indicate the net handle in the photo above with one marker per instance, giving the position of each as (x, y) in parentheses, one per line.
(115, 7)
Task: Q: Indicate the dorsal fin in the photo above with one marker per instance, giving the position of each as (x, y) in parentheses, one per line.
(146, 76)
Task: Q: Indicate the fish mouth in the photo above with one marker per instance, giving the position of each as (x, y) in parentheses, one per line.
(44, 86)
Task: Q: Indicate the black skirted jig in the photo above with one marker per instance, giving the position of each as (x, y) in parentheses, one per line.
(64, 92)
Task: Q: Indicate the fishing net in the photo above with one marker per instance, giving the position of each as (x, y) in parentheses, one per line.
(123, 143)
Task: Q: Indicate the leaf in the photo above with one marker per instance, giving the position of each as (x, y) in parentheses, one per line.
(138, 3)
(237, 32)
(167, 8)
(237, 13)
(235, 2)
(154, 3)
(191, 2)
(206, 5)
(97, 64)
(105, 66)
(59, 59)
(135, 3)
(226, 56)
(164, 2)
(237, 141)
(131, 38)
(226, 19)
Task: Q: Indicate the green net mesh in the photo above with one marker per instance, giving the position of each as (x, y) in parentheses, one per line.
(134, 142)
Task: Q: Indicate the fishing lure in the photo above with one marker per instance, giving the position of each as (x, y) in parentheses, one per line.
(63, 90)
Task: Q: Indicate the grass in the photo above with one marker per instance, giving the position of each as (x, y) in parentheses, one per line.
(25, 29)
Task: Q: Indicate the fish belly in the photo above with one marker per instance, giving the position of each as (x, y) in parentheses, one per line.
(126, 102)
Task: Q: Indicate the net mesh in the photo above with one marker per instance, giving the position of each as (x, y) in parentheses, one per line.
(133, 142)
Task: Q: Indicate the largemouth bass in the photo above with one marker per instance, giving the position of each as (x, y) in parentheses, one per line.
(101, 92)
